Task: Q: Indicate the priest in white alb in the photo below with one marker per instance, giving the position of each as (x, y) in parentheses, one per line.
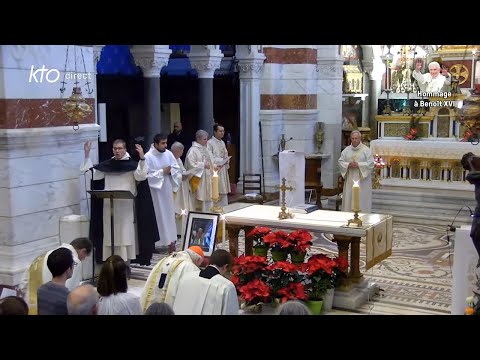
(182, 193)
(162, 282)
(200, 162)
(220, 157)
(356, 164)
(162, 179)
(208, 292)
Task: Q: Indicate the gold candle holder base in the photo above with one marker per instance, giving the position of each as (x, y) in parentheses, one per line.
(356, 221)
(282, 215)
(216, 208)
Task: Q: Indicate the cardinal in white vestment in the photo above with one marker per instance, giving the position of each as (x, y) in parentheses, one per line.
(356, 164)
(120, 173)
(208, 292)
(220, 154)
(163, 280)
(162, 179)
(200, 161)
(183, 198)
(38, 273)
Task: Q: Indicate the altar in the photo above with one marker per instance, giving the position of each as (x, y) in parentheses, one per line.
(377, 230)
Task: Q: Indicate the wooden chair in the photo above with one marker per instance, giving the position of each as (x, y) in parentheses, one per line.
(252, 183)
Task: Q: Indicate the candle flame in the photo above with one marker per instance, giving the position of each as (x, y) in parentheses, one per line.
(184, 212)
(215, 173)
(356, 182)
(222, 217)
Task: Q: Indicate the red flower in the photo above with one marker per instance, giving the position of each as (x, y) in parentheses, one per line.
(293, 291)
(257, 234)
(300, 240)
(277, 240)
(256, 291)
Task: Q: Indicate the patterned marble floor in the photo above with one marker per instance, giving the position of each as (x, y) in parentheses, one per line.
(415, 280)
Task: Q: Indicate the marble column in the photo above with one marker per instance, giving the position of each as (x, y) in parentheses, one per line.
(152, 58)
(250, 66)
(329, 105)
(40, 153)
(374, 70)
(205, 59)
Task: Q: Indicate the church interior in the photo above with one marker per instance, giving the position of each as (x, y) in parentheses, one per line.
(289, 112)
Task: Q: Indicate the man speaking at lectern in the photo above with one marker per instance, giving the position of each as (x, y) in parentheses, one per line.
(120, 173)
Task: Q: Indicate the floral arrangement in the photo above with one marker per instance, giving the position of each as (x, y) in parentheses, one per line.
(323, 273)
(249, 279)
(378, 162)
(413, 131)
(257, 234)
(278, 240)
(300, 240)
(281, 275)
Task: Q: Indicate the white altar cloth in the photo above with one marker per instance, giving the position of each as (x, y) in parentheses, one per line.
(377, 228)
(423, 148)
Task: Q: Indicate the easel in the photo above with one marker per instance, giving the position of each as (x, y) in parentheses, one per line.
(111, 195)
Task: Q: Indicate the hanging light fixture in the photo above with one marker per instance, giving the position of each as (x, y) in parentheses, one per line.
(75, 107)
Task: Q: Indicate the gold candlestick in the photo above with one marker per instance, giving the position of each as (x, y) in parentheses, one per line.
(216, 208)
(283, 214)
(355, 219)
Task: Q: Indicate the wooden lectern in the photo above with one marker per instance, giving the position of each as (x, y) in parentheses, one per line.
(112, 195)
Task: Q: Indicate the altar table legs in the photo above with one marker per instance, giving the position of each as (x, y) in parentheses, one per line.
(343, 243)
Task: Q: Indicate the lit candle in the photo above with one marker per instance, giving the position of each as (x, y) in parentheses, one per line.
(215, 194)
(355, 196)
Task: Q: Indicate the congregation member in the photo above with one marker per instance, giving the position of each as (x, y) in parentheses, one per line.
(38, 273)
(112, 287)
(13, 305)
(52, 296)
(83, 300)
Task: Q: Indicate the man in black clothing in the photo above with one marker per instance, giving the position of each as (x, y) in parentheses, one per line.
(182, 137)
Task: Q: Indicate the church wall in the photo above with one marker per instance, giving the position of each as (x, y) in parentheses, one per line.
(39, 160)
(288, 102)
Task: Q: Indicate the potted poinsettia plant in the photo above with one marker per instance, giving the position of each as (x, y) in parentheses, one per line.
(280, 274)
(301, 241)
(278, 244)
(257, 234)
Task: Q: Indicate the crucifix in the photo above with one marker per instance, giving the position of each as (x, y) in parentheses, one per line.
(283, 214)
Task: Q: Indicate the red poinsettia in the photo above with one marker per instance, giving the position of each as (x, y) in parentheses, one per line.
(257, 234)
(254, 292)
(300, 240)
(247, 268)
(322, 273)
(281, 274)
(293, 291)
(277, 240)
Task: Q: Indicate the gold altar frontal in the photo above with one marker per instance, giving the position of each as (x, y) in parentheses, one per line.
(377, 230)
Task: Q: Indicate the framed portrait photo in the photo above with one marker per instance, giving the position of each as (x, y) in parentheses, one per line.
(201, 231)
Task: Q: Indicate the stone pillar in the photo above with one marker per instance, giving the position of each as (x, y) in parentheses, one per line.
(152, 58)
(205, 59)
(40, 153)
(374, 70)
(329, 104)
(250, 65)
